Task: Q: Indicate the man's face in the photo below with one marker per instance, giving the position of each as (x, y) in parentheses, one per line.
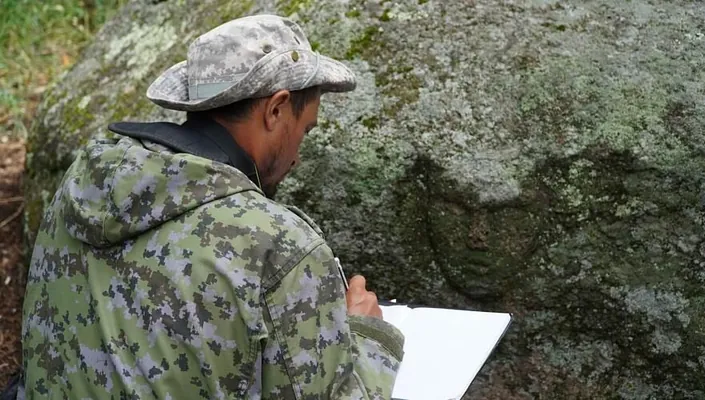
(283, 144)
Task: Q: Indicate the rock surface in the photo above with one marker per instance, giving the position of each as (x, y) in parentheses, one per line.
(540, 157)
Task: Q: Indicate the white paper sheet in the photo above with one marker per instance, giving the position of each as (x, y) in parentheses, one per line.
(395, 315)
(444, 349)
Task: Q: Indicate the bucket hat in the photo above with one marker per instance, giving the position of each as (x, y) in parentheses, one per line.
(249, 57)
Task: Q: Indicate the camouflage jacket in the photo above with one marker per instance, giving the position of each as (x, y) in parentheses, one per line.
(166, 275)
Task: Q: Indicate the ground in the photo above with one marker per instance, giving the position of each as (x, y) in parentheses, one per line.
(12, 155)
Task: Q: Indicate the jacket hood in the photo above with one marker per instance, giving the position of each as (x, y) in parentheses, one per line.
(119, 188)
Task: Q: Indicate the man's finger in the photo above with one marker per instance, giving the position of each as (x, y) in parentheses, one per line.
(357, 282)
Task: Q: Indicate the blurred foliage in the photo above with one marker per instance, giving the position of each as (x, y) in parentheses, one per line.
(38, 40)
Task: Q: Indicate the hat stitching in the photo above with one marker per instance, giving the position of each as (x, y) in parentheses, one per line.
(315, 71)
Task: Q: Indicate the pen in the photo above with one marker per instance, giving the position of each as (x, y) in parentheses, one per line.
(342, 273)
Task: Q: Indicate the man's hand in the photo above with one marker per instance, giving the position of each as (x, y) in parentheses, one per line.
(360, 301)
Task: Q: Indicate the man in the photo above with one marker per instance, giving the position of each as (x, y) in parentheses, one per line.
(163, 267)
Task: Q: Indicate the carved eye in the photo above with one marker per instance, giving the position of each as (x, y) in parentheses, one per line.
(295, 56)
(267, 48)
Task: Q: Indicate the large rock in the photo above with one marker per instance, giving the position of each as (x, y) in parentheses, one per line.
(540, 157)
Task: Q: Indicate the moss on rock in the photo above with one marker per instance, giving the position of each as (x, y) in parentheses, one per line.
(540, 158)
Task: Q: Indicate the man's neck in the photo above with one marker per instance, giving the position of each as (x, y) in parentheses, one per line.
(242, 135)
(238, 156)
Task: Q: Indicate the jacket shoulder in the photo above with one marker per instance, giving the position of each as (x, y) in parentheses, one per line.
(261, 234)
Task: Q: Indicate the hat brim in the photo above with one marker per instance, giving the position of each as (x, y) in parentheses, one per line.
(278, 72)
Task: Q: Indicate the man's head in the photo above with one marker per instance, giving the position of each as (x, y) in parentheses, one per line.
(259, 77)
(270, 129)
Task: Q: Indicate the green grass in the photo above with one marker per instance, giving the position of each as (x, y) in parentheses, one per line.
(38, 40)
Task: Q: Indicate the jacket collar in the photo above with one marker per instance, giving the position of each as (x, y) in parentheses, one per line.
(201, 137)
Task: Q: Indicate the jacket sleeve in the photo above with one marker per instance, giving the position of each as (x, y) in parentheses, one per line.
(328, 354)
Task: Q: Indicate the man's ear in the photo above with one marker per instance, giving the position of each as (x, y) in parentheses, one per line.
(275, 107)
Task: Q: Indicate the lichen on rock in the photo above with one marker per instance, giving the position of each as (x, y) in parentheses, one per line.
(540, 158)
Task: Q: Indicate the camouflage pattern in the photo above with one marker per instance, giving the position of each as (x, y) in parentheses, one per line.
(170, 276)
(248, 57)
